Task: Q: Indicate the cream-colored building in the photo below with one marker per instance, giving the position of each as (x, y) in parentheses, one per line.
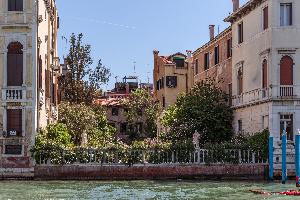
(29, 67)
(172, 75)
(266, 64)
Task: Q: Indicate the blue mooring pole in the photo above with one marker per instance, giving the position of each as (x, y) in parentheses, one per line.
(297, 158)
(271, 155)
(283, 168)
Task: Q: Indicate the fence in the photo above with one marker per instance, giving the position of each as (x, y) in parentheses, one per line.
(148, 157)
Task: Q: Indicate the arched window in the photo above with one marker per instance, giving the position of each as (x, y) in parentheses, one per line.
(265, 74)
(286, 71)
(15, 64)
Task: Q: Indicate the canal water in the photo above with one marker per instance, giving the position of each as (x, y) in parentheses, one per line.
(137, 190)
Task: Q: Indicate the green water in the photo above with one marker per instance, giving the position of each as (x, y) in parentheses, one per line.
(137, 190)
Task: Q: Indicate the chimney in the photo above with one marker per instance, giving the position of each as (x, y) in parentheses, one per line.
(189, 53)
(236, 5)
(212, 31)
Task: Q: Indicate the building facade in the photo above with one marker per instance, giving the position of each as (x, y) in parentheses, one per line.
(266, 56)
(172, 75)
(113, 102)
(29, 67)
(213, 60)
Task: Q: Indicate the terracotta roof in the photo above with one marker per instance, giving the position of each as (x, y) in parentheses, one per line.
(244, 10)
(167, 59)
(109, 102)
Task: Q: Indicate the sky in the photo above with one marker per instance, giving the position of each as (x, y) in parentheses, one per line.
(124, 32)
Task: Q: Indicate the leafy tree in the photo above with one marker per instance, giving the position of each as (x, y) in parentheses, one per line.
(140, 107)
(82, 83)
(82, 119)
(204, 109)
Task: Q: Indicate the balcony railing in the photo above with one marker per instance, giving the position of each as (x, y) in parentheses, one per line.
(13, 94)
(286, 91)
(274, 92)
(251, 97)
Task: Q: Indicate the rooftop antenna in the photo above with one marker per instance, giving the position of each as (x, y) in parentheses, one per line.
(148, 77)
(134, 63)
(116, 77)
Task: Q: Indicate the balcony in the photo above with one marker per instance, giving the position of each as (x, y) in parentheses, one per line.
(280, 92)
(15, 94)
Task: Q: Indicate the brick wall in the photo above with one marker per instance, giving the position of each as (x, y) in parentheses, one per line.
(84, 172)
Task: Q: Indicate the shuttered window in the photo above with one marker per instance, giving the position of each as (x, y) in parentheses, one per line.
(266, 18)
(15, 64)
(15, 5)
(265, 74)
(217, 55)
(229, 48)
(286, 71)
(241, 33)
(14, 122)
(196, 66)
(47, 84)
(40, 73)
(206, 61)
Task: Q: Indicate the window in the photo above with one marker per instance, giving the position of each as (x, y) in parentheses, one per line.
(13, 149)
(14, 122)
(217, 55)
(115, 111)
(240, 81)
(179, 62)
(240, 125)
(47, 83)
(164, 102)
(265, 74)
(265, 18)
(206, 61)
(196, 66)
(286, 123)
(171, 81)
(286, 71)
(229, 48)
(241, 33)
(286, 14)
(15, 5)
(123, 128)
(162, 82)
(14, 64)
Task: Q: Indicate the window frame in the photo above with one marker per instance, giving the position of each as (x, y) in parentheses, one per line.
(15, 9)
(282, 20)
(206, 61)
(241, 32)
(265, 17)
(217, 54)
(229, 48)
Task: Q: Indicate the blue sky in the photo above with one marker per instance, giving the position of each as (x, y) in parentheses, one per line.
(122, 32)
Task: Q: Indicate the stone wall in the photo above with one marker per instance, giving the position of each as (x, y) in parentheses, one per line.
(95, 172)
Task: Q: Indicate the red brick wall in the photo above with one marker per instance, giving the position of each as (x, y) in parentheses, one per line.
(77, 172)
(221, 72)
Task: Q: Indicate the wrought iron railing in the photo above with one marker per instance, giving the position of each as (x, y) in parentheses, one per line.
(147, 157)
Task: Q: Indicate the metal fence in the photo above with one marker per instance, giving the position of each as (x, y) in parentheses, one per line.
(148, 157)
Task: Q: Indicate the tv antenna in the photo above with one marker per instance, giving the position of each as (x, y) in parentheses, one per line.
(134, 66)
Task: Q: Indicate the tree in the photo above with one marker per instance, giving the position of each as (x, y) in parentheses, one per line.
(140, 107)
(81, 119)
(82, 83)
(205, 109)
